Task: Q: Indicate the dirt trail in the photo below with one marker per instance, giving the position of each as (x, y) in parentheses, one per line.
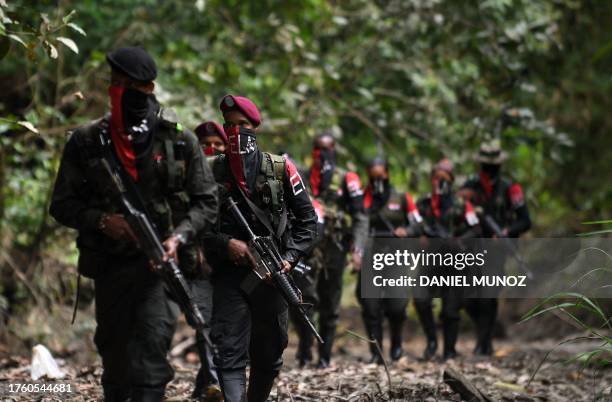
(504, 377)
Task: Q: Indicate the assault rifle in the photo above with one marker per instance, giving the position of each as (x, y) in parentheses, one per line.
(272, 262)
(152, 247)
(507, 242)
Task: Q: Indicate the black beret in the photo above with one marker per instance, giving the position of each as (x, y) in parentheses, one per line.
(134, 62)
(378, 161)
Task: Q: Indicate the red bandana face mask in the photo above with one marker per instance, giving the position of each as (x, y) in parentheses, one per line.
(210, 151)
(123, 146)
(435, 198)
(116, 96)
(243, 156)
(321, 173)
(315, 172)
(486, 184)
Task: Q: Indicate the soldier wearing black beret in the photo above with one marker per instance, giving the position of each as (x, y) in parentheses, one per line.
(135, 317)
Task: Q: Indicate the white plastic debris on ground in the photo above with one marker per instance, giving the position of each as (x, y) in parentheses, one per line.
(43, 364)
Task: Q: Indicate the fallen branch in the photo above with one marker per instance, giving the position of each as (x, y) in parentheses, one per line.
(380, 353)
(463, 386)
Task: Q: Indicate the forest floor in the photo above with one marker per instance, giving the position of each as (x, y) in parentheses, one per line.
(504, 377)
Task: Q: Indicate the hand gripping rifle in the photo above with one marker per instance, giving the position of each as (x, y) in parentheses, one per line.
(152, 247)
(272, 262)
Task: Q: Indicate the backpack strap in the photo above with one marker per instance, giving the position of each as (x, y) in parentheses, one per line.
(172, 131)
(273, 170)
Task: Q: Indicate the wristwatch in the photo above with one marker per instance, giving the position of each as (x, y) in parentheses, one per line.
(103, 221)
(181, 238)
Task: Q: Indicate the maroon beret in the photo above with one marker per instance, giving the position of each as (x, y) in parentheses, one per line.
(209, 128)
(243, 105)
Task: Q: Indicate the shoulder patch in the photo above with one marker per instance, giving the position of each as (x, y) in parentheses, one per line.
(297, 185)
(470, 214)
(353, 184)
(515, 194)
(411, 209)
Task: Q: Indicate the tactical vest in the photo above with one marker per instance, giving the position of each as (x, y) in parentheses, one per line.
(394, 212)
(498, 204)
(337, 220)
(268, 184)
(451, 221)
(161, 184)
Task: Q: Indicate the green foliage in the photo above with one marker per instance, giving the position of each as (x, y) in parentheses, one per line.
(413, 80)
(18, 26)
(30, 43)
(570, 304)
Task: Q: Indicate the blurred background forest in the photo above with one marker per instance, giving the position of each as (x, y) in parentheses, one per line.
(413, 80)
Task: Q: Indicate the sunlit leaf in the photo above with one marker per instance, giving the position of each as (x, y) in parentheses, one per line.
(69, 43)
(51, 50)
(17, 39)
(76, 28)
(28, 125)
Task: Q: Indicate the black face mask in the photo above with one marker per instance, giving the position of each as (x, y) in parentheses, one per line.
(381, 191)
(136, 106)
(246, 161)
(328, 164)
(379, 185)
(491, 170)
(444, 187)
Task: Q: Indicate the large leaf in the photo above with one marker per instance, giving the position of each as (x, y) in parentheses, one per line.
(69, 43)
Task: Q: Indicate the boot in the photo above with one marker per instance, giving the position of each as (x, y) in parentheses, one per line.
(375, 333)
(207, 381)
(116, 394)
(486, 325)
(260, 385)
(484, 347)
(326, 348)
(430, 349)
(323, 363)
(147, 394)
(304, 352)
(375, 356)
(451, 331)
(396, 325)
(426, 317)
(233, 385)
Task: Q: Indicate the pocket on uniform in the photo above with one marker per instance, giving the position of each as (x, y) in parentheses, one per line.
(162, 216)
(90, 263)
(189, 262)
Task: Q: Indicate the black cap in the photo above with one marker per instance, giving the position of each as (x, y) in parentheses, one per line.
(134, 62)
(378, 161)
